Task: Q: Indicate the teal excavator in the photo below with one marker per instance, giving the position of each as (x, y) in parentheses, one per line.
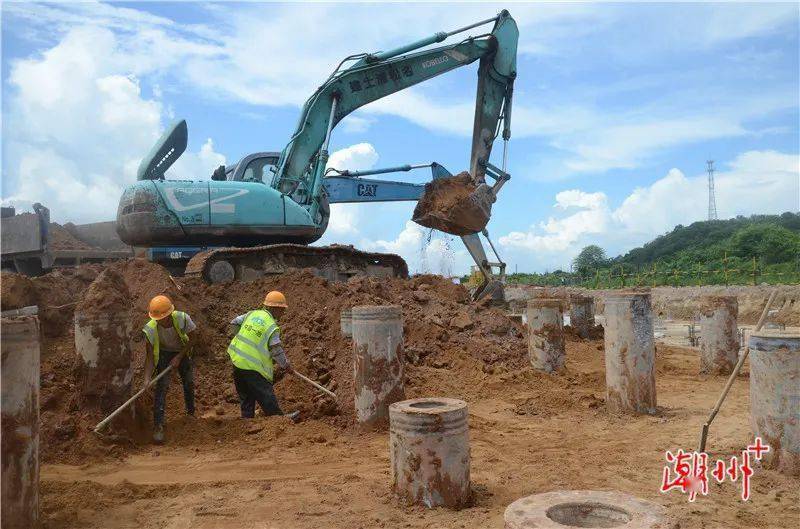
(261, 214)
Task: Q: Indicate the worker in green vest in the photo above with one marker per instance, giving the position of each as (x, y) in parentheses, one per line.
(254, 351)
(167, 343)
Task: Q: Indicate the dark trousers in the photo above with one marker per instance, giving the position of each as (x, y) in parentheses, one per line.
(186, 371)
(251, 388)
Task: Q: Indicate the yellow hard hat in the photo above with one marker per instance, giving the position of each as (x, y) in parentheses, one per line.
(160, 307)
(275, 299)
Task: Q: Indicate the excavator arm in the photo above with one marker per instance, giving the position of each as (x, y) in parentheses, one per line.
(374, 76)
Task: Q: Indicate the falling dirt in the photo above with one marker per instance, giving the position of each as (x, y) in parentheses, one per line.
(453, 205)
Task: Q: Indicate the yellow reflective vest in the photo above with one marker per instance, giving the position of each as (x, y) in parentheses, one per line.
(249, 349)
(151, 332)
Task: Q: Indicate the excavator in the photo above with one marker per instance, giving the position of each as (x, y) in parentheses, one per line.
(260, 215)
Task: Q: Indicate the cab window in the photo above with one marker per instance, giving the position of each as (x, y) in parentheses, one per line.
(258, 170)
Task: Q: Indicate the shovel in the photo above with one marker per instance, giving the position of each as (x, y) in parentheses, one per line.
(130, 401)
(323, 389)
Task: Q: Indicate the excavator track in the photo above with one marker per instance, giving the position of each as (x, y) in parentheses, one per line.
(335, 262)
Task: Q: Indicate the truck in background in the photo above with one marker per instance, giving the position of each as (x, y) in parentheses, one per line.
(31, 245)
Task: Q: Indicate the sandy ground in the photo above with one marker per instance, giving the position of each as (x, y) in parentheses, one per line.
(268, 473)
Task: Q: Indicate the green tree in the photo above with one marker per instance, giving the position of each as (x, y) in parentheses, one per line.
(590, 259)
(769, 242)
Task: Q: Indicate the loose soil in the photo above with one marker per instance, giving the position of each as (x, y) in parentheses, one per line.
(530, 432)
(452, 206)
(61, 239)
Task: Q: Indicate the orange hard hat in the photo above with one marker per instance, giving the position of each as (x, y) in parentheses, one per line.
(160, 307)
(275, 299)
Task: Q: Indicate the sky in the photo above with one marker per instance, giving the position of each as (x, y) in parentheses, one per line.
(617, 108)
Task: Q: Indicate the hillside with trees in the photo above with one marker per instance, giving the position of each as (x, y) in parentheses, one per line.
(742, 250)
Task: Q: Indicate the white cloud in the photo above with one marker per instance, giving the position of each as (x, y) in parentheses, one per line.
(626, 145)
(741, 21)
(77, 127)
(197, 166)
(358, 157)
(356, 124)
(345, 218)
(560, 234)
(756, 182)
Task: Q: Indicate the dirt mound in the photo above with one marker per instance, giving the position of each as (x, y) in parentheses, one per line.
(60, 239)
(454, 205)
(17, 291)
(108, 294)
(439, 327)
(451, 344)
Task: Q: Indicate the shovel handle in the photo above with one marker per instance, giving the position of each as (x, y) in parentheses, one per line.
(128, 402)
(319, 387)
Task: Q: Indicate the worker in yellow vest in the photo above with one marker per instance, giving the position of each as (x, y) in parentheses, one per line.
(167, 343)
(254, 351)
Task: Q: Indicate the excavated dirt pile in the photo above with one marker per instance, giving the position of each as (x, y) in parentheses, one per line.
(107, 294)
(16, 291)
(443, 330)
(61, 239)
(454, 205)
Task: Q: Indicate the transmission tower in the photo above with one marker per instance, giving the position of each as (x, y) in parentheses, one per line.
(712, 201)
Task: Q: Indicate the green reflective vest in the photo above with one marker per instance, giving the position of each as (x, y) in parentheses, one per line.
(151, 332)
(249, 349)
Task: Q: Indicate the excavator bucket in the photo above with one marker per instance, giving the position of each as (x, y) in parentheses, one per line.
(455, 205)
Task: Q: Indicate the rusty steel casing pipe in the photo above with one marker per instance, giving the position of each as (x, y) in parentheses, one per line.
(20, 422)
(719, 345)
(429, 452)
(545, 320)
(581, 314)
(377, 362)
(775, 397)
(630, 353)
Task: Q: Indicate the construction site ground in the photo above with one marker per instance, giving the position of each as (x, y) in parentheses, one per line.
(523, 441)
(530, 432)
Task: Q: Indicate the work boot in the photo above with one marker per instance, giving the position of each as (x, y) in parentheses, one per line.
(294, 416)
(158, 434)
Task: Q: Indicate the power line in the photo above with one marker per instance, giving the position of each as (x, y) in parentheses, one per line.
(712, 201)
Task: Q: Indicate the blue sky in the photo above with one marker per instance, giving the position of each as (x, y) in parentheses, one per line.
(617, 107)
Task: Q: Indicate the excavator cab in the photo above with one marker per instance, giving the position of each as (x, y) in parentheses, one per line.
(258, 167)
